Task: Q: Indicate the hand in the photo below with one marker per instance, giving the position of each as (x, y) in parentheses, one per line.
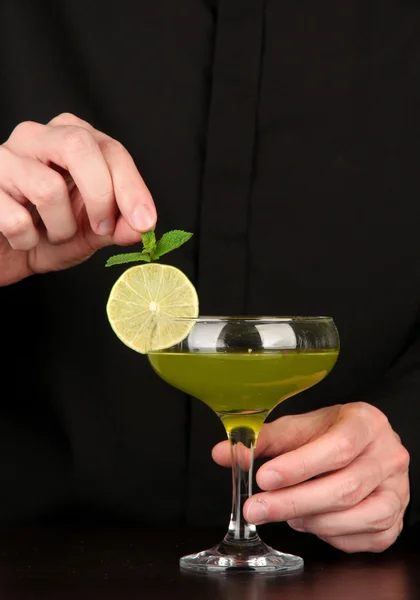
(66, 190)
(340, 473)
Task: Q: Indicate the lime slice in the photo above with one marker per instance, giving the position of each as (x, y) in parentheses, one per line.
(142, 301)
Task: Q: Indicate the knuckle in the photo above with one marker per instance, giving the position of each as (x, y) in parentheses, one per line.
(104, 199)
(289, 505)
(402, 459)
(363, 408)
(344, 451)
(368, 420)
(344, 543)
(111, 146)
(49, 189)
(349, 493)
(5, 160)
(16, 225)
(306, 468)
(66, 118)
(106, 195)
(368, 412)
(24, 129)
(376, 416)
(397, 436)
(78, 139)
(60, 238)
(385, 521)
(383, 540)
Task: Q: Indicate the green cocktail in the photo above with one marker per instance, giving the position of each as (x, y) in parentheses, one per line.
(243, 387)
(242, 367)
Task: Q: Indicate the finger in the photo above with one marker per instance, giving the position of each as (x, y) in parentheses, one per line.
(346, 439)
(16, 224)
(132, 195)
(378, 512)
(44, 188)
(367, 542)
(283, 434)
(337, 491)
(76, 150)
(293, 431)
(221, 454)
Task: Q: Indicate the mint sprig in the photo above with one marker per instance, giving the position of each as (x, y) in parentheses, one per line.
(152, 249)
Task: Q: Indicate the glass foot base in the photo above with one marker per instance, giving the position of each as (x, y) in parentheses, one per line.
(229, 557)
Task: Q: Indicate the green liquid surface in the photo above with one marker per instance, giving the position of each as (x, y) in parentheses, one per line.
(242, 388)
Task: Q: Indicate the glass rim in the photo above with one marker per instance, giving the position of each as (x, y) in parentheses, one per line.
(248, 319)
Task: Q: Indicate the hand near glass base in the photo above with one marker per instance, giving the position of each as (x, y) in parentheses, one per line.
(340, 473)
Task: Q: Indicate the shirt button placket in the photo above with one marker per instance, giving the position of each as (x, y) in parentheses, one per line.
(223, 227)
(230, 148)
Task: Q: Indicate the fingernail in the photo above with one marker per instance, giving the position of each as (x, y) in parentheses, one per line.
(257, 512)
(143, 218)
(269, 480)
(106, 227)
(297, 524)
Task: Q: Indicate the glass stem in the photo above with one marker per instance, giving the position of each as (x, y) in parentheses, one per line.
(242, 444)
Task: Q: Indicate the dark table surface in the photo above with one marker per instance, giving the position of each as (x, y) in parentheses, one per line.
(126, 563)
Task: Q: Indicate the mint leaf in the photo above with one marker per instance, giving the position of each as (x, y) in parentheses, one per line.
(152, 249)
(149, 242)
(119, 259)
(169, 241)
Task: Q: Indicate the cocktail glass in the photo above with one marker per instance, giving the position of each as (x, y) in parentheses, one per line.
(242, 368)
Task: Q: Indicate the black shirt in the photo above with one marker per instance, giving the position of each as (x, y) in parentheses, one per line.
(286, 136)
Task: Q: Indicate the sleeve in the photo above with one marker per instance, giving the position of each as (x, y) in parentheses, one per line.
(398, 397)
